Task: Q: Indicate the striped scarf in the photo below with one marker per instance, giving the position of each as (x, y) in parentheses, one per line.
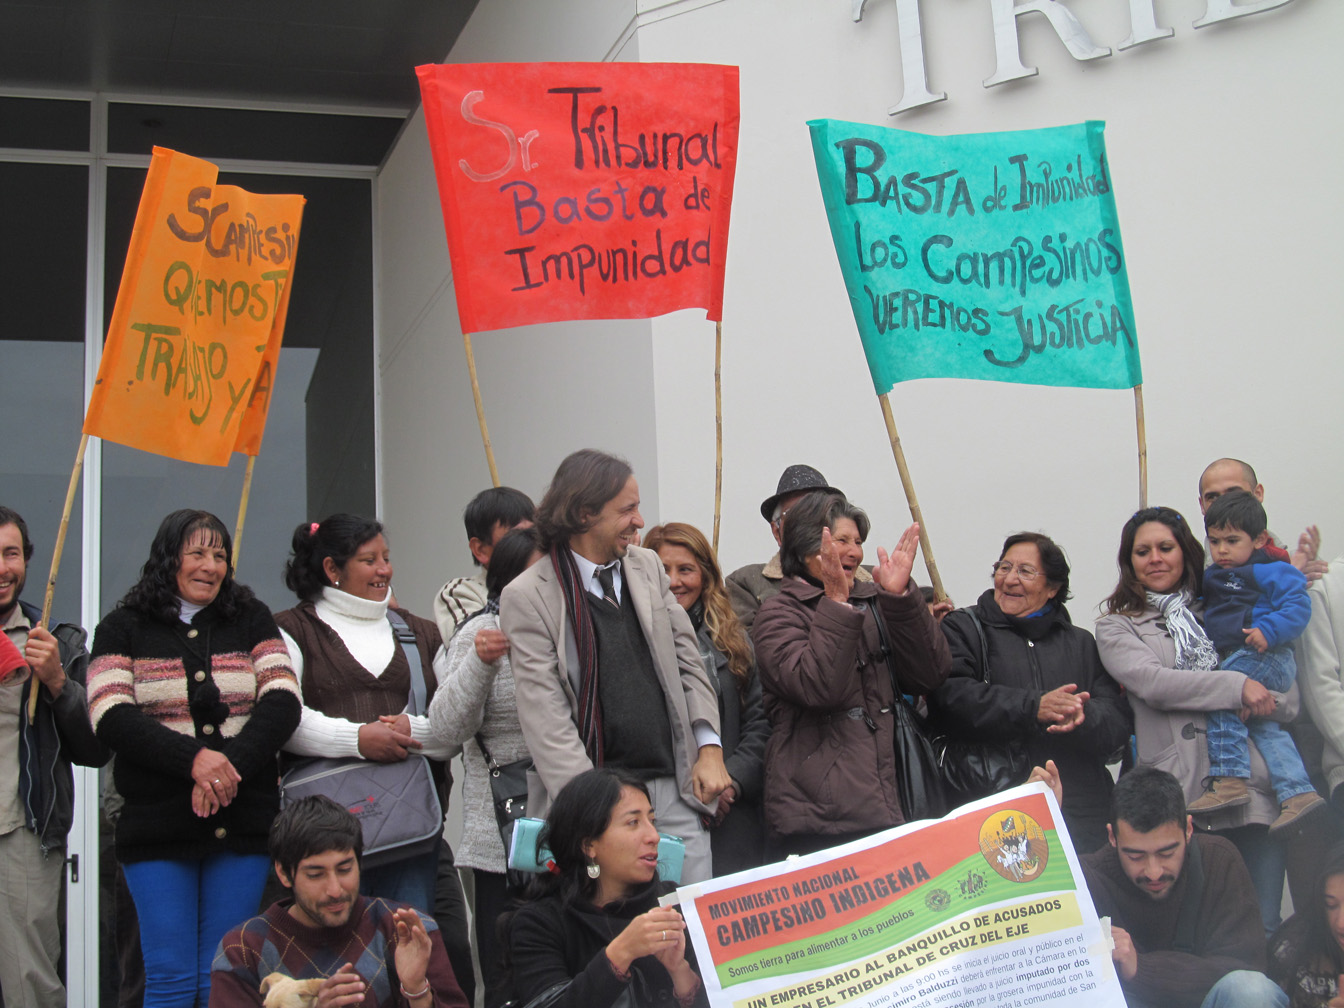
(577, 602)
(1194, 650)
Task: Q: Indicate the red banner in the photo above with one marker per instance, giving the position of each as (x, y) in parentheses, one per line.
(583, 190)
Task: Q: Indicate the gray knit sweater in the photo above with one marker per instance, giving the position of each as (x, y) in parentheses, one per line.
(474, 696)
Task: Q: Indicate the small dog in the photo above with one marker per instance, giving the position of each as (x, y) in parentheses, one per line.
(281, 991)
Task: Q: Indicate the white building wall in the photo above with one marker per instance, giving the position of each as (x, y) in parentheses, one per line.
(1223, 144)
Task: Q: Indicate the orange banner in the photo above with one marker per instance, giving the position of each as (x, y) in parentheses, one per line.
(583, 190)
(191, 351)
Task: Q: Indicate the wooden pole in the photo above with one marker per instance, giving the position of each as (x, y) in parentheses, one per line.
(56, 555)
(242, 513)
(480, 410)
(1143, 446)
(718, 430)
(938, 593)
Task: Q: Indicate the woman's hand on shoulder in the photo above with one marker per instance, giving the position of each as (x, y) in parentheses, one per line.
(659, 932)
(892, 572)
(387, 740)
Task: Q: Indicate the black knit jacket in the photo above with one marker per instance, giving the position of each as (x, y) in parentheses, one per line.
(159, 693)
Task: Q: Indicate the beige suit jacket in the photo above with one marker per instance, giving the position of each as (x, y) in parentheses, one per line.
(545, 670)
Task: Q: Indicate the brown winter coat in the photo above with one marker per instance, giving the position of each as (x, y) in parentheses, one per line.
(830, 764)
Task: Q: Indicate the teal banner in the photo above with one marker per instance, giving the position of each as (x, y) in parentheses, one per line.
(993, 256)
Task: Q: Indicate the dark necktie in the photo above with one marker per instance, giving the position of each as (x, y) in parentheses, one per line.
(607, 578)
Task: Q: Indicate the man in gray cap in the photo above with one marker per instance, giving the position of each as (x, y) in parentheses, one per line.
(751, 585)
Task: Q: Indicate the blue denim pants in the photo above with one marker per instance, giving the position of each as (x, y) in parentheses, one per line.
(1229, 749)
(185, 908)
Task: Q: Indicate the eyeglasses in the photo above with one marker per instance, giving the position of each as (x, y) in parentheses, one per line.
(1025, 573)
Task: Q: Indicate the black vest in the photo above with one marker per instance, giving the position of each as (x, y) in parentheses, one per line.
(636, 729)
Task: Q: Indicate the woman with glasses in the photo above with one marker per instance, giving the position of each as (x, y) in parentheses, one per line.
(1024, 676)
(1152, 642)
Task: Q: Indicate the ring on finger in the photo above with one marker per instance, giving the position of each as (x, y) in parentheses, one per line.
(664, 934)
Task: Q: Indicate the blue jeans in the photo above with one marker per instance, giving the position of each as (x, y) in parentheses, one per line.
(409, 880)
(185, 908)
(1266, 858)
(1229, 748)
(1245, 989)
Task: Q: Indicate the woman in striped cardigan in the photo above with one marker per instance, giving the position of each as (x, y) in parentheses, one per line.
(192, 688)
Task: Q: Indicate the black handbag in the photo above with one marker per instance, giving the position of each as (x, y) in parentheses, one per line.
(978, 768)
(919, 778)
(508, 793)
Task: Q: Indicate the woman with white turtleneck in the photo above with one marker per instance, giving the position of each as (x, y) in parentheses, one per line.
(355, 677)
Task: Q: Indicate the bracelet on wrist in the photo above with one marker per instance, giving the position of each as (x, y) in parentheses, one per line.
(688, 999)
(623, 975)
(418, 994)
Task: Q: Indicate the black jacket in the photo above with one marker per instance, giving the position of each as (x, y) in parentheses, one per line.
(1028, 657)
(738, 842)
(551, 941)
(59, 736)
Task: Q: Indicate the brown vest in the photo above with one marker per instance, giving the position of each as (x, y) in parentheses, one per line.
(337, 685)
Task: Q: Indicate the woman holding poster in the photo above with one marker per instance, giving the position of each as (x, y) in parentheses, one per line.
(832, 652)
(595, 936)
(191, 687)
(1025, 677)
(1151, 641)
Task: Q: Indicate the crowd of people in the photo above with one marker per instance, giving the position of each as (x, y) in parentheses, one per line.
(638, 689)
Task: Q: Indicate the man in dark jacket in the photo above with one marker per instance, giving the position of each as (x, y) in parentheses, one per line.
(36, 809)
(1184, 918)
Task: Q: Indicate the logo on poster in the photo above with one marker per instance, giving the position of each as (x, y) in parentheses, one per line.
(1014, 845)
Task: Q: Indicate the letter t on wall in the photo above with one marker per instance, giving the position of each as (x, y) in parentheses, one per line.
(910, 38)
(1069, 29)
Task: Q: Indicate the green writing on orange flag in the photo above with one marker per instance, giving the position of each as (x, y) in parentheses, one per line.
(191, 351)
(993, 256)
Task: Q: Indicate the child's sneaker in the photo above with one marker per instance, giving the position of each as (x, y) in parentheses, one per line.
(1296, 808)
(1221, 793)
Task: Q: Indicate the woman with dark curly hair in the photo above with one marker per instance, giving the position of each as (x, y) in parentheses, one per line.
(191, 686)
(594, 931)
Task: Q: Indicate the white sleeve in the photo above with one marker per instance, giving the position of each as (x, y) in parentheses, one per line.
(318, 734)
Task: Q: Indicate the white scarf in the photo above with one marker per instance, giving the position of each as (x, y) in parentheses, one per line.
(1194, 650)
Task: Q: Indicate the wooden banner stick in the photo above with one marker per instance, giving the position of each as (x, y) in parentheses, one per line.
(480, 410)
(938, 593)
(718, 430)
(1143, 446)
(242, 513)
(56, 555)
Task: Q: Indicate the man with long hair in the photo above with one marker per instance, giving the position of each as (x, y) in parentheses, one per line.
(606, 664)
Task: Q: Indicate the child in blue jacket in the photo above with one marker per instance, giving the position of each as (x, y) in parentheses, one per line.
(1254, 607)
